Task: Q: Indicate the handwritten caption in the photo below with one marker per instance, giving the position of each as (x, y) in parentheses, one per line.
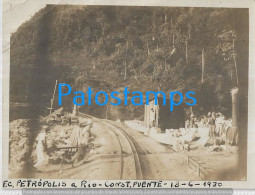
(27, 183)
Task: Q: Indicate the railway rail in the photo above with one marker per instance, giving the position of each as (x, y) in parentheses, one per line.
(120, 132)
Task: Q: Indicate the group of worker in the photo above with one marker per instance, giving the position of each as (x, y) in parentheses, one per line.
(214, 121)
(79, 139)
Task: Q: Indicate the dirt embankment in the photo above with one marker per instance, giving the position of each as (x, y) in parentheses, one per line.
(20, 139)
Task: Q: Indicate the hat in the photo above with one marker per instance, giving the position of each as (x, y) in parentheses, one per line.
(209, 113)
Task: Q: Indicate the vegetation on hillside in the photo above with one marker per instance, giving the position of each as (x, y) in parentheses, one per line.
(142, 48)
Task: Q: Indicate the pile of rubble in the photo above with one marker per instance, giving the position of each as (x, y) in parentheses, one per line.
(61, 126)
(62, 117)
(183, 139)
(20, 137)
(23, 142)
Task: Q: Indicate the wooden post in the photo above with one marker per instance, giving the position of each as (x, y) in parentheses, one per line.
(52, 100)
(235, 110)
(203, 65)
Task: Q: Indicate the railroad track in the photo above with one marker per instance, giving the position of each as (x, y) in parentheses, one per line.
(151, 166)
(134, 153)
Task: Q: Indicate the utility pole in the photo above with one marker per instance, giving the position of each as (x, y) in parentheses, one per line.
(52, 100)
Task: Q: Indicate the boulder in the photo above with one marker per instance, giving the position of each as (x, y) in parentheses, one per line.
(190, 135)
(178, 146)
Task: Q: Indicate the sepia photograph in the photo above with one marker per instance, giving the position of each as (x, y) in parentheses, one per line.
(104, 92)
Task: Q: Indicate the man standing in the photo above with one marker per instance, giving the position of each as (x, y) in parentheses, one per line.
(42, 157)
(82, 141)
(192, 121)
(211, 124)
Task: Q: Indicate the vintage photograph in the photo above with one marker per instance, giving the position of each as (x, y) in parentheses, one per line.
(143, 49)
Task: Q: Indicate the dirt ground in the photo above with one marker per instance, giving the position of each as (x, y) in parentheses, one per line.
(170, 165)
(159, 161)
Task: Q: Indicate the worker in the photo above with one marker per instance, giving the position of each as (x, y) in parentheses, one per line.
(152, 117)
(203, 121)
(211, 125)
(192, 121)
(82, 141)
(41, 146)
(219, 122)
(187, 124)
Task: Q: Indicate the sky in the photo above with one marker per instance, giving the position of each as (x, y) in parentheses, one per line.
(19, 11)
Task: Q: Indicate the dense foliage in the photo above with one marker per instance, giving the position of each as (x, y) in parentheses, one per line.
(142, 48)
